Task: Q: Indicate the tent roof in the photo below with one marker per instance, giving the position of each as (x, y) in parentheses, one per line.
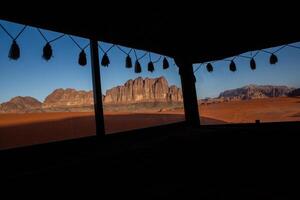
(182, 31)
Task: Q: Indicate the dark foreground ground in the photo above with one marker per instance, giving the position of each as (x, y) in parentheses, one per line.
(222, 162)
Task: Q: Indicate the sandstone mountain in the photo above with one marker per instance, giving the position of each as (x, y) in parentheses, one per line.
(143, 90)
(68, 98)
(294, 93)
(133, 91)
(255, 92)
(21, 105)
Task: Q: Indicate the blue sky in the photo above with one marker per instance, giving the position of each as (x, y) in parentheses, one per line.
(33, 76)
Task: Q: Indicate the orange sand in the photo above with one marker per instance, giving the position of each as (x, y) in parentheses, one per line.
(266, 110)
(35, 128)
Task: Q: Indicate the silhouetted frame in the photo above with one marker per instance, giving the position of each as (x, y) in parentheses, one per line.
(98, 104)
(189, 92)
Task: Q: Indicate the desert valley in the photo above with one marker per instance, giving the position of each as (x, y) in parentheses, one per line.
(266, 103)
(69, 113)
(139, 103)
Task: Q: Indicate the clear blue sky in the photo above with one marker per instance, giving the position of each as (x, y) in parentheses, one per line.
(33, 76)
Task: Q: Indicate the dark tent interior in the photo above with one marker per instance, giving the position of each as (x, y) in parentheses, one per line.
(185, 159)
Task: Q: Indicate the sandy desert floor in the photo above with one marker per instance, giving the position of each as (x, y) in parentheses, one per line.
(265, 110)
(35, 128)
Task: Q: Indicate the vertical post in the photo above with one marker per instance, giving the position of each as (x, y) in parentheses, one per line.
(98, 106)
(189, 92)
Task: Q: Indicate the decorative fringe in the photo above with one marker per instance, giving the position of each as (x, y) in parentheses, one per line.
(82, 58)
(232, 66)
(128, 62)
(252, 64)
(105, 60)
(47, 51)
(150, 66)
(14, 52)
(137, 67)
(273, 59)
(209, 67)
(165, 63)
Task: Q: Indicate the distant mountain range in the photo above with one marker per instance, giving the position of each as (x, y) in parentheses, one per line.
(137, 94)
(134, 94)
(249, 92)
(256, 92)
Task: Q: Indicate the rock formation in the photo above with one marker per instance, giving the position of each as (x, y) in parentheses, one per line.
(255, 92)
(21, 105)
(143, 90)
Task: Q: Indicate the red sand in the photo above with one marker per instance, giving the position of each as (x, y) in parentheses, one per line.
(35, 128)
(266, 110)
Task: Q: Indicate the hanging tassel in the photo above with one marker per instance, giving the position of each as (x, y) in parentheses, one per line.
(105, 60)
(47, 51)
(252, 64)
(137, 67)
(232, 66)
(273, 59)
(165, 63)
(209, 67)
(82, 58)
(14, 52)
(150, 66)
(128, 62)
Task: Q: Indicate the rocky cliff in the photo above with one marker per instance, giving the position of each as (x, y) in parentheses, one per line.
(21, 105)
(255, 92)
(294, 93)
(68, 98)
(143, 90)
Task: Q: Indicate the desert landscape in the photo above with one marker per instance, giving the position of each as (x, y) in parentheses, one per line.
(139, 103)
(266, 103)
(276, 109)
(69, 113)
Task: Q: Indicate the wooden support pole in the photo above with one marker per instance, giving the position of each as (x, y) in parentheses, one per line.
(98, 105)
(189, 92)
